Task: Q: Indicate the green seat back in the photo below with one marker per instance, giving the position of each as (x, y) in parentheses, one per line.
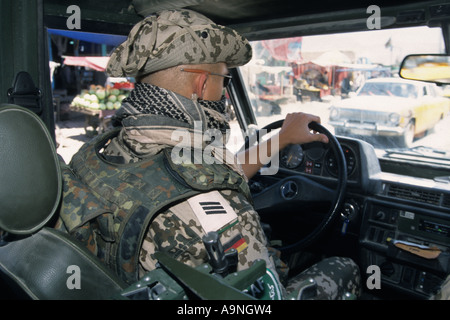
(30, 175)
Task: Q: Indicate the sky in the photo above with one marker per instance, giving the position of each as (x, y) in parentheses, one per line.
(371, 44)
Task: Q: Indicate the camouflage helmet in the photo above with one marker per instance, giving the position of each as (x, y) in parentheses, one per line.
(176, 37)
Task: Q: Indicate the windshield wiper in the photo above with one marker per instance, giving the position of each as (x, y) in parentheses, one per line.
(420, 153)
(443, 179)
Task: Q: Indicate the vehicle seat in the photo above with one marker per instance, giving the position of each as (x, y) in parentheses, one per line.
(37, 261)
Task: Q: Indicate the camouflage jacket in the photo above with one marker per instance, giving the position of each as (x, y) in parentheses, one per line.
(125, 213)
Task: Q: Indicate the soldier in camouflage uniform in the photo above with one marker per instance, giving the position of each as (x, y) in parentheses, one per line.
(180, 60)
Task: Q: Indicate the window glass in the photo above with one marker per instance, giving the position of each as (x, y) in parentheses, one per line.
(351, 81)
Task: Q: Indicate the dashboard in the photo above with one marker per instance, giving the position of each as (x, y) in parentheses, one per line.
(317, 159)
(396, 219)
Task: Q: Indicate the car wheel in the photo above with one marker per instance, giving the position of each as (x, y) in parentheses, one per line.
(437, 126)
(408, 137)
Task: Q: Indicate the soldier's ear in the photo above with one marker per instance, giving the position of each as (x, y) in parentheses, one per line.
(200, 85)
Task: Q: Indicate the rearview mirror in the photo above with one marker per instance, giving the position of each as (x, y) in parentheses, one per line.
(426, 67)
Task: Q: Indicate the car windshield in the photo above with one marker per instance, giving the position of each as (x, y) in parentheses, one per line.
(388, 89)
(351, 81)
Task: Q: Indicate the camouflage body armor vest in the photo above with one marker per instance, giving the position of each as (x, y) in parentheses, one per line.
(108, 206)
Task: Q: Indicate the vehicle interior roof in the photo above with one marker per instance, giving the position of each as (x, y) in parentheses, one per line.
(256, 19)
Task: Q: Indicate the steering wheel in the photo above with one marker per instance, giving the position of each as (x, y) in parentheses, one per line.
(308, 190)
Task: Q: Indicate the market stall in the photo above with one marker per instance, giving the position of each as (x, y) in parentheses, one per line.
(99, 102)
(95, 63)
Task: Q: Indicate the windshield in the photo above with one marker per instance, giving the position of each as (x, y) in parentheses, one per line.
(351, 81)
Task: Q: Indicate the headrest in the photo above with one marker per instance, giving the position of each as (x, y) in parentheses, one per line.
(30, 173)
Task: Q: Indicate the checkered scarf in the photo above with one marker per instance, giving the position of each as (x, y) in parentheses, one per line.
(147, 99)
(150, 115)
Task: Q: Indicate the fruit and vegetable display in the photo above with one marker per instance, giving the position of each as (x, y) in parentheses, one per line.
(102, 98)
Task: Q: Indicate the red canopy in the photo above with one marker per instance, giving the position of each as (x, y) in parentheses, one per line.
(285, 49)
(95, 63)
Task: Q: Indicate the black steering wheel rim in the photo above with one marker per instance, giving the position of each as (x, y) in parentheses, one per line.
(338, 199)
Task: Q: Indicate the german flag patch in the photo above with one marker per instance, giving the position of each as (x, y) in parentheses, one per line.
(238, 242)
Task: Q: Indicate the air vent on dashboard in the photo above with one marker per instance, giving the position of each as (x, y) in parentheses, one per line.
(414, 194)
(446, 201)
